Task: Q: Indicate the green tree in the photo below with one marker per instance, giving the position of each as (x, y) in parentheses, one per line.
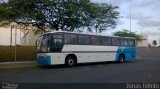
(154, 42)
(106, 17)
(127, 33)
(66, 15)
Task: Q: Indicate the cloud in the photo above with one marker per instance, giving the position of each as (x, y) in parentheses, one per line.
(120, 22)
(118, 2)
(138, 16)
(149, 23)
(144, 21)
(1, 1)
(149, 5)
(145, 3)
(114, 2)
(152, 33)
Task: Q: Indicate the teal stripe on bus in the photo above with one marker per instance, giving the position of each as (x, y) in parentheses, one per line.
(129, 52)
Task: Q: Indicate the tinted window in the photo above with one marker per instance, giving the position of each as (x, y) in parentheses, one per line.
(124, 42)
(57, 36)
(70, 38)
(95, 40)
(67, 38)
(56, 43)
(115, 41)
(106, 41)
(131, 42)
(83, 39)
(73, 39)
(45, 43)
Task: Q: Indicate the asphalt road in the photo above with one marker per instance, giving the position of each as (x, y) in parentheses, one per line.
(145, 69)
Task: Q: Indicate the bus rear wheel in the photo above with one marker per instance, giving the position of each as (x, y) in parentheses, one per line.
(70, 61)
(121, 58)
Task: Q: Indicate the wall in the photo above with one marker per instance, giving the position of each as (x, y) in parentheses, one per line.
(5, 34)
(29, 38)
(24, 53)
(143, 43)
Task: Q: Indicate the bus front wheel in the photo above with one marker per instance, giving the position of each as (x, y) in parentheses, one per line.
(121, 58)
(70, 61)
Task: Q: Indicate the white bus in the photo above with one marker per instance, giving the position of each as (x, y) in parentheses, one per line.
(71, 48)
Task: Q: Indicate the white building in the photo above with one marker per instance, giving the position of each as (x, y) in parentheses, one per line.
(143, 42)
(29, 38)
(25, 37)
(7, 39)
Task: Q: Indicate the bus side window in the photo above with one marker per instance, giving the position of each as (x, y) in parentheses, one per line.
(115, 41)
(83, 40)
(131, 42)
(95, 40)
(58, 43)
(74, 39)
(67, 38)
(106, 41)
(52, 44)
(124, 42)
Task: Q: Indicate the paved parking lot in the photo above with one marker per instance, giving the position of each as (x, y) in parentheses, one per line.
(145, 69)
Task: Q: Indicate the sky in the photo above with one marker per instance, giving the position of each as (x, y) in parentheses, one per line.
(144, 15)
(145, 18)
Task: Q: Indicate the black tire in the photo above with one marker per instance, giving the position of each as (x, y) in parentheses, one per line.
(70, 61)
(121, 58)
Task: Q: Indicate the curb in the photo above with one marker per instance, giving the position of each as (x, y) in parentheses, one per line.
(19, 64)
(10, 67)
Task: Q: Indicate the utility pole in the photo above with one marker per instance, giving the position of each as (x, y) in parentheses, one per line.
(20, 34)
(141, 37)
(130, 17)
(15, 44)
(11, 35)
(159, 41)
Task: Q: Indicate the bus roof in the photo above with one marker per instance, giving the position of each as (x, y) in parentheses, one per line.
(96, 34)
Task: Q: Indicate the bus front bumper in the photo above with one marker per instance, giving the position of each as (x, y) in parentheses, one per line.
(44, 60)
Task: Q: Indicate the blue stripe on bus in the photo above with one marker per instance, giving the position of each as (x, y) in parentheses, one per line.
(129, 52)
(43, 60)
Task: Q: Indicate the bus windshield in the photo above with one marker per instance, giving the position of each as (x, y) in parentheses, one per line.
(44, 47)
(51, 43)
